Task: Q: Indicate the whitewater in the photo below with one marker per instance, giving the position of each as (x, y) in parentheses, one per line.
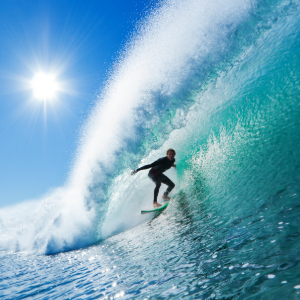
(218, 81)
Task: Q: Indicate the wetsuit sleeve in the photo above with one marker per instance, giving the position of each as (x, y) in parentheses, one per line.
(156, 163)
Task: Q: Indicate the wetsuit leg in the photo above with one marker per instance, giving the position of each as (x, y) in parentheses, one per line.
(157, 186)
(164, 179)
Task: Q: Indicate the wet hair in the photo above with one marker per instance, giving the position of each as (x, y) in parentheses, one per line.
(171, 150)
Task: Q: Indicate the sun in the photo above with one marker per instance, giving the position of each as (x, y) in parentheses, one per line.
(44, 86)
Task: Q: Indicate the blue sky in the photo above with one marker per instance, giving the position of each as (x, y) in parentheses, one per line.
(78, 41)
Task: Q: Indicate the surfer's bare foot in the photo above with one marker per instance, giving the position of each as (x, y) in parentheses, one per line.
(156, 205)
(166, 197)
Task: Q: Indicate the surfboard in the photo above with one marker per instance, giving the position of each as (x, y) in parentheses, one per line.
(155, 209)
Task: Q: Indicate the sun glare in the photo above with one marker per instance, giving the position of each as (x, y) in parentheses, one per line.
(44, 86)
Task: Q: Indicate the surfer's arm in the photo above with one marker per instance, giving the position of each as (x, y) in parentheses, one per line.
(156, 163)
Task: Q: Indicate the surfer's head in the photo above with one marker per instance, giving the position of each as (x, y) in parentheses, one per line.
(171, 154)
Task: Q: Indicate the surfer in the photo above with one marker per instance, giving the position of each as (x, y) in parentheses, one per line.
(156, 174)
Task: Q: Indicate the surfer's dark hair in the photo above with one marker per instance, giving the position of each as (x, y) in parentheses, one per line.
(171, 150)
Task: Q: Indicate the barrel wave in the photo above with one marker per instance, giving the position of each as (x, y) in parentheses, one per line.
(219, 82)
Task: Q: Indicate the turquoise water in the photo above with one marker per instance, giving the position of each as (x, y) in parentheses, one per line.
(218, 82)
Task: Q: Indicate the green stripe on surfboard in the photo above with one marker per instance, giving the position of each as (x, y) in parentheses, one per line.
(155, 209)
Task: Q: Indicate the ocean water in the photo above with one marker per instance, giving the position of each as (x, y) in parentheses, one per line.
(218, 81)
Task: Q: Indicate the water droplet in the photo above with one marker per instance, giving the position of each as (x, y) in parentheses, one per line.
(297, 287)
(283, 282)
(271, 276)
(280, 223)
(257, 274)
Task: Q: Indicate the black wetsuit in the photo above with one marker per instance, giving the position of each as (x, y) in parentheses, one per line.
(157, 168)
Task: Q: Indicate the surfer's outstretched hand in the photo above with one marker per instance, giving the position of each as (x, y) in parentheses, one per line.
(133, 172)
